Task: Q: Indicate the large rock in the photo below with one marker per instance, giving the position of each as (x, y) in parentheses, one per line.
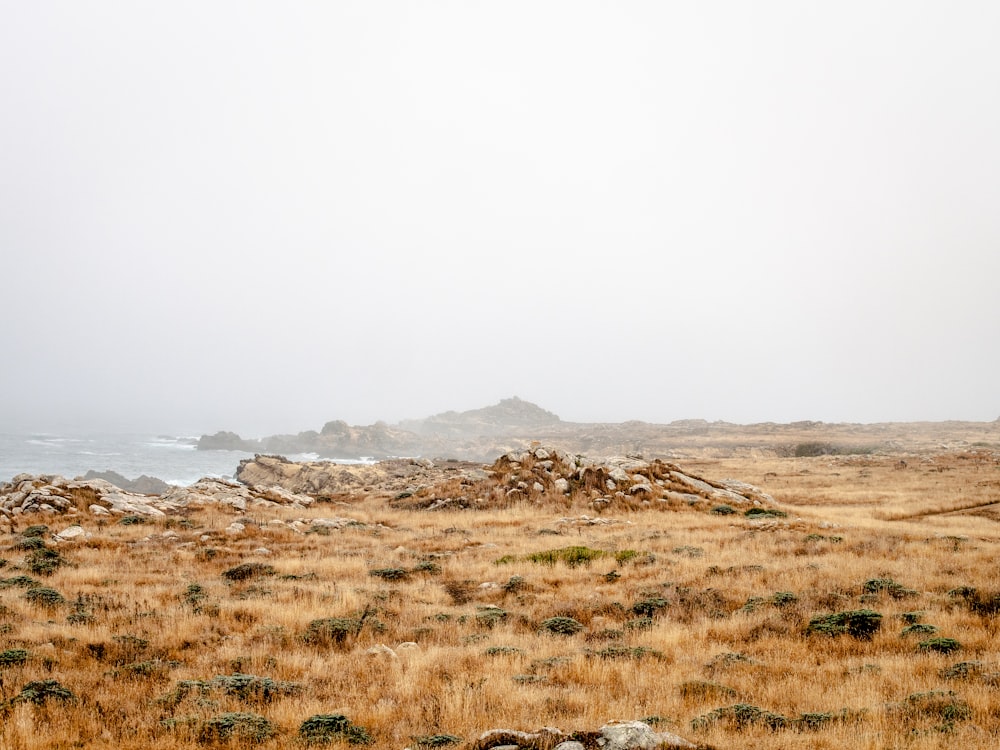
(629, 735)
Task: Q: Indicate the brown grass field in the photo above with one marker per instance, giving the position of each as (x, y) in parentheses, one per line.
(693, 621)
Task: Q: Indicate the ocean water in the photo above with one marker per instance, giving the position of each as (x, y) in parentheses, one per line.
(172, 459)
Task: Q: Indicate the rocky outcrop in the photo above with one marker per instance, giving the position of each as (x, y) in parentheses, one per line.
(330, 480)
(546, 473)
(628, 735)
(28, 495)
(227, 441)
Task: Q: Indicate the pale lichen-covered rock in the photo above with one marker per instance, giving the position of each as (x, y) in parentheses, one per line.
(628, 735)
(636, 735)
(55, 495)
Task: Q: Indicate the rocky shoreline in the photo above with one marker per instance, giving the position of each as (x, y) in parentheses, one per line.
(544, 474)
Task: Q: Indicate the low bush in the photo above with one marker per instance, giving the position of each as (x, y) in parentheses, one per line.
(740, 716)
(44, 597)
(571, 556)
(40, 691)
(918, 628)
(861, 624)
(616, 651)
(765, 513)
(390, 574)
(887, 586)
(44, 561)
(246, 571)
(13, 657)
(562, 625)
(248, 687)
(436, 740)
(244, 728)
(490, 615)
(649, 606)
(323, 729)
(940, 645)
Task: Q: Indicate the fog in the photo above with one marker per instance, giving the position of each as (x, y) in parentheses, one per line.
(261, 216)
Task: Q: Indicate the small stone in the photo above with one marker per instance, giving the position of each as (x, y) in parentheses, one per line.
(70, 533)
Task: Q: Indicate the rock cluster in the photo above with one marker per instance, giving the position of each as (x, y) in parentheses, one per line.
(546, 473)
(330, 480)
(55, 495)
(628, 735)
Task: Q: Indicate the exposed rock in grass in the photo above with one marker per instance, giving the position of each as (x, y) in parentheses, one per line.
(26, 495)
(627, 735)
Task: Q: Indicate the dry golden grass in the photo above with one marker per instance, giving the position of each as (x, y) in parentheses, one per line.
(666, 628)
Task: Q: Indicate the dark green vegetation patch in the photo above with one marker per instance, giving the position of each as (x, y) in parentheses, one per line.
(861, 624)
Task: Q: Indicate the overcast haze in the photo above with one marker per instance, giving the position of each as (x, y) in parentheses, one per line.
(261, 216)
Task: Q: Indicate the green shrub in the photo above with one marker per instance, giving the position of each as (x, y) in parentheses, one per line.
(427, 566)
(13, 657)
(436, 740)
(246, 571)
(940, 645)
(27, 543)
(887, 586)
(37, 530)
(21, 582)
(41, 691)
(918, 628)
(245, 728)
(490, 615)
(649, 606)
(861, 624)
(194, 595)
(325, 728)
(616, 651)
(562, 625)
(44, 561)
(390, 574)
(984, 603)
(741, 716)
(764, 513)
(783, 599)
(44, 597)
(515, 584)
(571, 556)
(624, 556)
(132, 520)
(936, 705)
(248, 687)
(963, 670)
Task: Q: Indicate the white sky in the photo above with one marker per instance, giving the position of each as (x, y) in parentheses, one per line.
(261, 216)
